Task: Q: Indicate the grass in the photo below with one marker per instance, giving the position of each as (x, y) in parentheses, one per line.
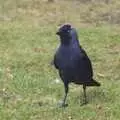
(28, 90)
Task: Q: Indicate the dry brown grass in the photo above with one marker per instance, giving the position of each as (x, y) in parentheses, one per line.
(77, 12)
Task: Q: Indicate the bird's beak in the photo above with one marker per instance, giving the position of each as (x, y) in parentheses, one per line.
(57, 33)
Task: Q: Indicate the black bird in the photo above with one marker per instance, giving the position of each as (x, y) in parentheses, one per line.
(72, 61)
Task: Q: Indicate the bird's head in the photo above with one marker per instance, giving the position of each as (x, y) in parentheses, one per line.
(64, 31)
(67, 34)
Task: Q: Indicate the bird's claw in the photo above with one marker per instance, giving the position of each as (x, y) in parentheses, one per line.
(84, 103)
(62, 104)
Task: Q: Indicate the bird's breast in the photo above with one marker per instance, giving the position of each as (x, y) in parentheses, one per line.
(66, 58)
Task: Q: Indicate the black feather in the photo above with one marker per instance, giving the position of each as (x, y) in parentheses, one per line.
(72, 61)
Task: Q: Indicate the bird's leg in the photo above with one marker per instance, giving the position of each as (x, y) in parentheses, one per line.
(85, 97)
(62, 103)
(66, 92)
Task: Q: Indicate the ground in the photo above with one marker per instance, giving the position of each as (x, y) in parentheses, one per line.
(30, 86)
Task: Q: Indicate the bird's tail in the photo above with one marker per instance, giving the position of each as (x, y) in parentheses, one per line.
(94, 83)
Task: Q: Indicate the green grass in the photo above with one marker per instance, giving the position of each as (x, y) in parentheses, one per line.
(28, 90)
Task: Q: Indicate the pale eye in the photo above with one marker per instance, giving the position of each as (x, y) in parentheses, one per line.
(68, 31)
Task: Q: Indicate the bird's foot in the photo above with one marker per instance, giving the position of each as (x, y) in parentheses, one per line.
(84, 103)
(62, 104)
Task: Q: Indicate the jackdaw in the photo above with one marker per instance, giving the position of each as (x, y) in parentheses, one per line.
(72, 62)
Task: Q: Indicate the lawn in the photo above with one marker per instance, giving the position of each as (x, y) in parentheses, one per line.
(28, 87)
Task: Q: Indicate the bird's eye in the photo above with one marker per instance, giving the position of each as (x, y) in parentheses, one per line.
(68, 31)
